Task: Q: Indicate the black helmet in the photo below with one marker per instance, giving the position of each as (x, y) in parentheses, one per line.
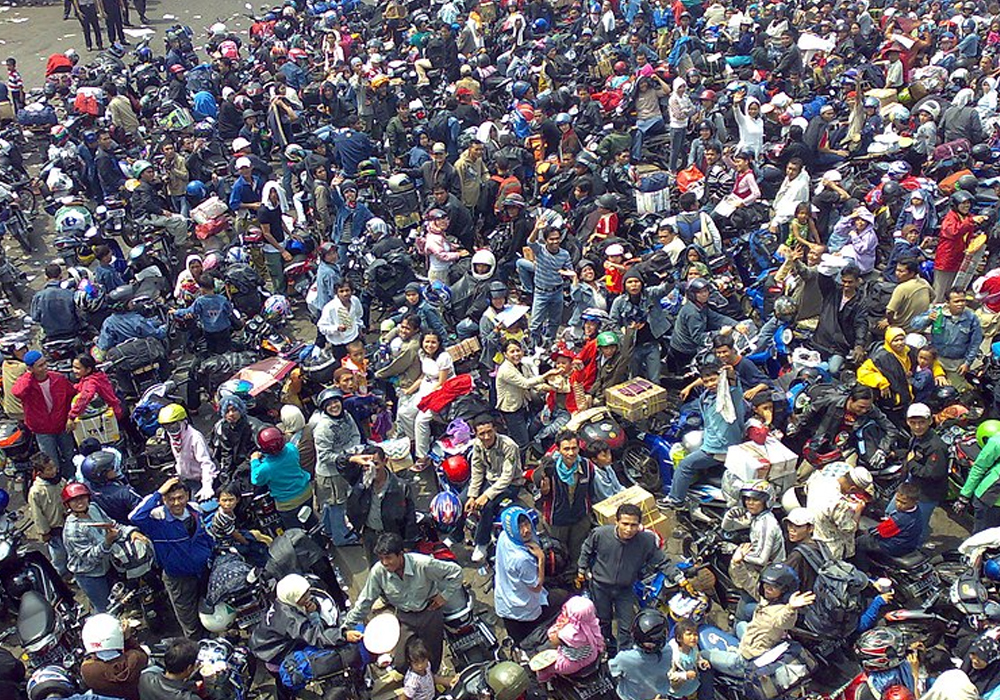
(968, 183)
(891, 191)
(608, 201)
(780, 576)
(649, 629)
(497, 289)
(328, 395)
(120, 297)
(943, 397)
(809, 375)
(982, 152)
(961, 197)
(696, 285)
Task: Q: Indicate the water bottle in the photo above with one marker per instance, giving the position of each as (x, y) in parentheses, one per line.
(938, 321)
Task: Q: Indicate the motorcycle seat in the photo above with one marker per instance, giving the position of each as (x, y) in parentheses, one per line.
(586, 673)
(904, 562)
(35, 618)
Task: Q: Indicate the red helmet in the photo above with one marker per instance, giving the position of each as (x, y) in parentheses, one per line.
(270, 440)
(757, 432)
(176, 69)
(897, 692)
(708, 95)
(620, 67)
(456, 469)
(72, 490)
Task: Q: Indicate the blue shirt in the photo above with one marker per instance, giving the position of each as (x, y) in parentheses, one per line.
(641, 675)
(958, 339)
(547, 266)
(281, 474)
(108, 277)
(214, 312)
(117, 328)
(606, 483)
(244, 192)
(516, 572)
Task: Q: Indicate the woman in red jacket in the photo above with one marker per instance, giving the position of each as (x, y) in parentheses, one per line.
(957, 229)
(92, 382)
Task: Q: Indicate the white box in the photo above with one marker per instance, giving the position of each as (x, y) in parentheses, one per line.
(750, 461)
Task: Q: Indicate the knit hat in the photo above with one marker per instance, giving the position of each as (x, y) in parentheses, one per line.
(633, 273)
(31, 357)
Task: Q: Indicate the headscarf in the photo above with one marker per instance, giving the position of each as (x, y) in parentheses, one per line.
(964, 97)
(904, 359)
(292, 420)
(581, 627)
(187, 285)
(987, 649)
(265, 197)
(922, 211)
(680, 86)
(291, 589)
(230, 401)
(509, 519)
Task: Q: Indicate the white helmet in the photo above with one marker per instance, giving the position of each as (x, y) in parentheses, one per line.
(102, 632)
(218, 620)
(377, 228)
(218, 29)
(483, 257)
(692, 441)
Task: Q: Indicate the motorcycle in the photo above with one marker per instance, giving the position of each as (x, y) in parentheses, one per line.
(139, 595)
(49, 634)
(233, 667)
(13, 219)
(23, 570)
(11, 278)
(18, 446)
(470, 639)
(61, 353)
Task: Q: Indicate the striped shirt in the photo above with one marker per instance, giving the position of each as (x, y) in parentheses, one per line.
(14, 82)
(547, 266)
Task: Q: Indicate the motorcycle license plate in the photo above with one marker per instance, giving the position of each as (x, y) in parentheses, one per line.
(116, 213)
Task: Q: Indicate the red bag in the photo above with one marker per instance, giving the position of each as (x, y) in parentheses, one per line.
(211, 227)
(86, 102)
(609, 99)
(688, 177)
(953, 151)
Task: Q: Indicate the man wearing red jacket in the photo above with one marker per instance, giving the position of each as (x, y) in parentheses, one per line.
(47, 397)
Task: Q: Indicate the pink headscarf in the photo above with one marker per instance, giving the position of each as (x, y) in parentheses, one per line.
(581, 626)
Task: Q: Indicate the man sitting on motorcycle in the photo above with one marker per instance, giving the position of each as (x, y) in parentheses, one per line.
(101, 472)
(54, 308)
(149, 207)
(175, 680)
(125, 324)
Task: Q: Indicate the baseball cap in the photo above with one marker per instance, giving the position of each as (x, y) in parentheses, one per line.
(918, 410)
(243, 162)
(440, 148)
(862, 478)
(800, 516)
(240, 144)
(615, 249)
(31, 357)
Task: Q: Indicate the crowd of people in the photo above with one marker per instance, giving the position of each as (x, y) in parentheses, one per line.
(772, 224)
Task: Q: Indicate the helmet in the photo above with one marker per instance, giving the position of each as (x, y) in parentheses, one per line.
(891, 191)
(620, 67)
(89, 302)
(519, 89)
(760, 490)
(218, 619)
(236, 254)
(508, 680)
(785, 309)
(780, 576)
(102, 632)
(513, 200)
(563, 118)
(982, 152)
(986, 430)
(649, 629)
(897, 692)
(171, 413)
(446, 509)
(119, 297)
(899, 113)
(4, 500)
(400, 182)
(456, 468)
(898, 169)
(328, 395)
(871, 102)
(607, 339)
(931, 109)
(483, 257)
(377, 227)
(968, 183)
(991, 568)
(960, 75)
(437, 293)
(205, 128)
(196, 189)
(596, 315)
(177, 69)
(72, 490)
(943, 397)
(96, 465)
(59, 133)
(48, 681)
(240, 144)
(880, 649)
(497, 290)
(277, 308)
(607, 201)
(270, 440)
(540, 25)
(294, 152)
(961, 197)
(144, 54)
(140, 166)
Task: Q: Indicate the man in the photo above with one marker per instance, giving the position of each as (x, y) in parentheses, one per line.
(14, 347)
(105, 274)
(911, 297)
(472, 175)
(350, 216)
(397, 133)
(836, 504)
(791, 57)
(565, 483)
(637, 312)
(981, 487)
(417, 587)
(818, 138)
(113, 21)
(461, 227)
(927, 464)
(53, 307)
(120, 111)
(125, 324)
(842, 330)
(405, 363)
(835, 411)
(244, 198)
(182, 545)
(551, 266)
(109, 175)
(438, 171)
(86, 12)
(176, 170)
(614, 557)
(149, 207)
(748, 373)
(496, 476)
(379, 501)
(956, 335)
(804, 549)
(46, 398)
(175, 682)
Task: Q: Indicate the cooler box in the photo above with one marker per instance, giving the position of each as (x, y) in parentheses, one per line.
(750, 461)
(103, 426)
(606, 509)
(636, 399)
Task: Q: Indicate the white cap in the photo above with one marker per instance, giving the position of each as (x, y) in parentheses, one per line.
(800, 516)
(918, 410)
(615, 249)
(862, 478)
(240, 144)
(243, 162)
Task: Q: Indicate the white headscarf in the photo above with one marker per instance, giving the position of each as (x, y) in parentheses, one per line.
(291, 589)
(964, 97)
(266, 196)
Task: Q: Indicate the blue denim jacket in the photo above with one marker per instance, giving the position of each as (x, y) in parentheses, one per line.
(117, 328)
(959, 338)
(214, 312)
(54, 309)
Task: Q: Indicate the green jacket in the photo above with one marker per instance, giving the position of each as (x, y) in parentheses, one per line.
(985, 473)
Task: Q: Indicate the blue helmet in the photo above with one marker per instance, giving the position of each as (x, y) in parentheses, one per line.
(991, 568)
(4, 500)
(540, 25)
(509, 518)
(196, 189)
(144, 54)
(437, 293)
(446, 509)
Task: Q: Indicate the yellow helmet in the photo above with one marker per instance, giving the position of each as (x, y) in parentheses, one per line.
(171, 413)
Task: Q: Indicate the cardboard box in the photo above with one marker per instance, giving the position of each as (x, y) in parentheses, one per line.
(661, 526)
(606, 509)
(103, 427)
(463, 349)
(636, 399)
(750, 461)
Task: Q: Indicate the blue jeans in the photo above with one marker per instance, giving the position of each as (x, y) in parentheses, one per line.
(728, 662)
(687, 472)
(618, 603)
(488, 513)
(526, 274)
(180, 205)
(677, 153)
(926, 509)
(642, 127)
(646, 361)
(546, 314)
(60, 448)
(97, 589)
(57, 552)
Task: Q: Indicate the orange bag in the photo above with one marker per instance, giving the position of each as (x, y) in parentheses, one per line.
(688, 177)
(947, 185)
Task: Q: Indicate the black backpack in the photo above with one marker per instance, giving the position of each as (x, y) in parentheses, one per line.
(838, 590)
(437, 127)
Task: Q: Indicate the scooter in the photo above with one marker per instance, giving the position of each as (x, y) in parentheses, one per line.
(470, 639)
(23, 570)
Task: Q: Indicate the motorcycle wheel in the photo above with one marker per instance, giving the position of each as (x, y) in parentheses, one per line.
(640, 467)
(29, 204)
(17, 227)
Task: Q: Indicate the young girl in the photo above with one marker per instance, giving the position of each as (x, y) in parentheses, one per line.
(341, 319)
(576, 634)
(437, 367)
(685, 661)
(614, 268)
(419, 681)
(802, 229)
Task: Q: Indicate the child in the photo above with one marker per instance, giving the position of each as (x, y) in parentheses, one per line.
(767, 542)
(15, 85)
(419, 681)
(215, 315)
(898, 534)
(614, 268)
(802, 229)
(224, 528)
(430, 317)
(47, 511)
(923, 380)
(358, 364)
(342, 319)
(360, 407)
(685, 661)
(576, 634)
(606, 482)
(907, 245)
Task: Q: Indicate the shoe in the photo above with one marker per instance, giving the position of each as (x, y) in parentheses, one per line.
(478, 554)
(667, 503)
(65, 17)
(144, 20)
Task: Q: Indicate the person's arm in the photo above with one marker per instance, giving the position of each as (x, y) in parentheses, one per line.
(399, 364)
(448, 576)
(370, 592)
(82, 551)
(37, 513)
(975, 341)
(142, 513)
(985, 462)
(82, 399)
(869, 375)
(587, 553)
(872, 614)
(510, 468)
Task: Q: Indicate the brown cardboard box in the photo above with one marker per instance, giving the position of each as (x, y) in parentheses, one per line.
(661, 525)
(636, 399)
(464, 349)
(606, 509)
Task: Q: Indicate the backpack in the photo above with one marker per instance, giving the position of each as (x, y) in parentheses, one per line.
(688, 230)
(838, 589)
(298, 668)
(437, 127)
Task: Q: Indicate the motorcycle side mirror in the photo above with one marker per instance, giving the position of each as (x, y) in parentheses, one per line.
(303, 515)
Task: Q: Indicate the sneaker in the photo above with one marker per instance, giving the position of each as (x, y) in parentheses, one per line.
(667, 503)
(478, 554)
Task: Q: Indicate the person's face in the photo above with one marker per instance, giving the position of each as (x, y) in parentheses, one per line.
(441, 196)
(965, 207)
(633, 286)
(753, 110)
(626, 527)
(786, 41)
(232, 415)
(925, 359)
(476, 151)
(79, 371)
(246, 172)
(792, 171)
(956, 304)
(904, 502)
(725, 354)
(176, 501)
(587, 274)
(498, 302)
(570, 450)
(754, 506)
(334, 408)
(514, 353)
(344, 294)
(308, 603)
(918, 425)
(351, 196)
(798, 533)
(439, 156)
(702, 295)
(859, 407)
(524, 529)
(227, 502)
(849, 283)
(608, 351)
(420, 667)
(710, 381)
(813, 256)
(898, 344)
(711, 156)
(665, 235)
(771, 592)
(79, 505)
(977, 663)
(48, 470)
(689, 639)
(412, 298)
(741, 163)
(552, 241)
(486, 434)
(40, 369)
(431, 344)
(346, 383)
(590, 328)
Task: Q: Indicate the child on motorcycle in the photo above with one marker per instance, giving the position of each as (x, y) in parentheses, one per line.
(576, 634)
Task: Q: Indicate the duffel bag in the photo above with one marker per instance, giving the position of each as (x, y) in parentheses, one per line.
(136, 353)
(37, 115)
(950, 153)
(300, 667)
(774, 674)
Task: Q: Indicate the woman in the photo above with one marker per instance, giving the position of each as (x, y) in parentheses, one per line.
(193, 462)
(919, 214)
(439, 250)
(233, 435)
(648, 115)
(297, 619)
(858, 230)
(514, 385)
(436, 367)
(587, 292)
(91, 382)
(888, 370)
(276, 466)
(292, 423)
(680, 109)
(186, 288)
(749, 122)
(982, 665)
(271, 217)
(576, 634)
(957, 229)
